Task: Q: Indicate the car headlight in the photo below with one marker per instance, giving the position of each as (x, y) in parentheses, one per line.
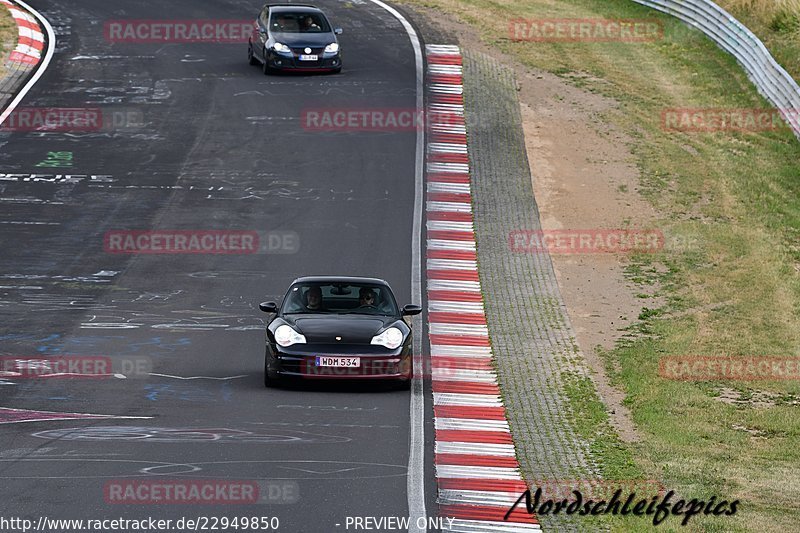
(286, 336)
(280, 47)
(332, 48)
(390, 338)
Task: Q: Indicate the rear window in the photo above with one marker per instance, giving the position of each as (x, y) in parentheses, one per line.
(288, 22)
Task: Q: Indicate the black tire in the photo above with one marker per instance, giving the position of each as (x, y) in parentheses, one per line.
(265, 68)
(337, 70)
(251, 57)
(270, 381)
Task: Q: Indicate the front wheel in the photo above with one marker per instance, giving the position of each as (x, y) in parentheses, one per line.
(265, 68)
(270, 379)
(251, 58)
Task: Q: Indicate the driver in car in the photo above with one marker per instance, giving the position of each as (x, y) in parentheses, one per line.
(314, 299)
(366, 297)
(308, 24)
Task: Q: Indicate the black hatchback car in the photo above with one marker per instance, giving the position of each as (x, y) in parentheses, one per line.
(338, 327)
(294, 37)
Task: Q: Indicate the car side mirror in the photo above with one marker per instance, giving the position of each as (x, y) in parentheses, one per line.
(268, 307)
(337, 31)
(411, 309)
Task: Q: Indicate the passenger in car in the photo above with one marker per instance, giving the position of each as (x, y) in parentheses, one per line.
(284, 23)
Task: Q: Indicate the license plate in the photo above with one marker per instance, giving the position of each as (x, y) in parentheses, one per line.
(308, 57)
(346, 362)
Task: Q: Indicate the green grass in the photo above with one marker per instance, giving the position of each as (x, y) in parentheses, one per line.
(729, 204)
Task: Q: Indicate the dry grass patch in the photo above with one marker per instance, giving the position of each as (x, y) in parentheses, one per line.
(777, 23)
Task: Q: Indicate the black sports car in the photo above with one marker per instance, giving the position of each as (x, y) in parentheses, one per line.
(338, 327)
(294, 37)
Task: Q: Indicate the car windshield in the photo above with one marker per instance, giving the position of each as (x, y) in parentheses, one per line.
(287, 22)
(339, 298)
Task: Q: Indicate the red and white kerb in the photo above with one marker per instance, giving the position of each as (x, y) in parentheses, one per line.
(31, 39)
(477, 471)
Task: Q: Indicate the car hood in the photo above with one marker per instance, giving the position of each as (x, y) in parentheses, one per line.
(312, 40)
(352, 329)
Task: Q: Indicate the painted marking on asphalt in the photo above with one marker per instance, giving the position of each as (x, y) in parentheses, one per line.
(198, 377)
(444, 350)
(450, 306)
(439, 186)
(462, 387)
(453, 207)
(472, 448)
(474, 497)
(477, 400)
(478, 526)
(502, 485)
(471, 424)
(446, 244)
(477, 472)
(450, 285)
(449, 264)
(475, 460)
(438, 328)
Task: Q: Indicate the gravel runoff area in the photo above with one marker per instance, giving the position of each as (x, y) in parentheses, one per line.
(532, 339)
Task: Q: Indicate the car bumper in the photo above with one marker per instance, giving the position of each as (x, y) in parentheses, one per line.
(286, 62)
(374, 365)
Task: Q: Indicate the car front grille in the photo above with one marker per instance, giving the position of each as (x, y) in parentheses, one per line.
(302, 50)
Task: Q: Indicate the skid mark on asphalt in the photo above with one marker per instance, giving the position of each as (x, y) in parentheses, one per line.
(103, 276)
(55, 344)
(184, 435)
(14, 416)
(327, 407)
(18, 183)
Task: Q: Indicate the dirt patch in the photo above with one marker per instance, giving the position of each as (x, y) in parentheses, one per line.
(584, 177)
(758, 399)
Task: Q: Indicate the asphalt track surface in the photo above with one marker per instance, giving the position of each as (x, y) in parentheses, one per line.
(208, 120)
